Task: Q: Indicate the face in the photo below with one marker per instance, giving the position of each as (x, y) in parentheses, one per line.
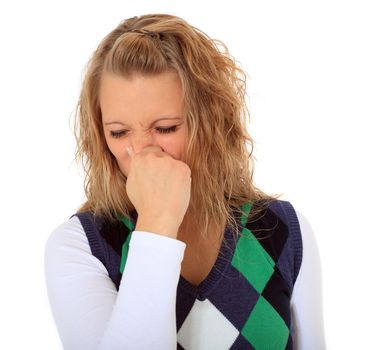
(142, 111)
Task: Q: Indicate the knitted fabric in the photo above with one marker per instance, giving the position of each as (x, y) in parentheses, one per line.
(245, 299)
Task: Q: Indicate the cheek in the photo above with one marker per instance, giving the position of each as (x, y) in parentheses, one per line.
(175, 145)
(123, 160)
(121, 156)
(182, 142)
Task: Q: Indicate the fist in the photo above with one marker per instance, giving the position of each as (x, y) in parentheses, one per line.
(159, 186)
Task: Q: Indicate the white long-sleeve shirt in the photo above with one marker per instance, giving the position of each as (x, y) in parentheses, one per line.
(91, 314)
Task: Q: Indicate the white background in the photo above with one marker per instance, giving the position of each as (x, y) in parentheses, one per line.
(307, 77)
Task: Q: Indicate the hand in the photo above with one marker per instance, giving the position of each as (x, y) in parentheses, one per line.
(159, 187)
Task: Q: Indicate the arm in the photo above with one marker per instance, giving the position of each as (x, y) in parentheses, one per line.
(88, 310)
(306, 301)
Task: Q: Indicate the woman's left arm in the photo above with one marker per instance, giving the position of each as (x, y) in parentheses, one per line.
(306, 300)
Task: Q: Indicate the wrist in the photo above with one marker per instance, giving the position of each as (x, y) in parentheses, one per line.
(158, 226)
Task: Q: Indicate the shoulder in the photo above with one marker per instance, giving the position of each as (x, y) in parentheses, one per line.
(66, 234)
(65, 242)
(278, 229)
(78, 232)
(298, 224)
(278, 215)
(288, 216)
(306, 300)
(303, 239)
(286, 212)
(67, 252)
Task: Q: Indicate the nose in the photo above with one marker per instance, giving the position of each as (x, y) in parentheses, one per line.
(140, 140)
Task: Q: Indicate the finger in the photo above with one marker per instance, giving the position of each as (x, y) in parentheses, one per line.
(156, 149)
(130, 151)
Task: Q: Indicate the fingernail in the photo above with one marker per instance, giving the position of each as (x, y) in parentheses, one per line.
(130, 151)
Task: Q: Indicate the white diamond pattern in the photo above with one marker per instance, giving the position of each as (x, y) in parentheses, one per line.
(206, 328)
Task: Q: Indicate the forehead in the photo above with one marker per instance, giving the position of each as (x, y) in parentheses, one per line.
(140, 95)
(162, 83)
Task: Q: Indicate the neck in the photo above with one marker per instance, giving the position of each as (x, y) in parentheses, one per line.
(191, 232)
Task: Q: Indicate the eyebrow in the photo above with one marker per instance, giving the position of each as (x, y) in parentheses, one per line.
(164, 118)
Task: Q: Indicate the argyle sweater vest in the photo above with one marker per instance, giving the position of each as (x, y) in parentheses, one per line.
(246, 295)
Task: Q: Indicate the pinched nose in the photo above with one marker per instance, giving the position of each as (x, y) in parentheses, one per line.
(141, 140)
(131, 150)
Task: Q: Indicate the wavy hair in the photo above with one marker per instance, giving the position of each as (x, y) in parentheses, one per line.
(219, 147)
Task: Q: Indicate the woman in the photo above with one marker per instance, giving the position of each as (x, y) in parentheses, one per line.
(174, 245)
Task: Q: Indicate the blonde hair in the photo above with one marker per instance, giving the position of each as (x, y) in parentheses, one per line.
(219, 147)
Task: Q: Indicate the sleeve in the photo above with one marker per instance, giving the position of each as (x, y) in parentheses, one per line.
(306, 301)
(91, 314)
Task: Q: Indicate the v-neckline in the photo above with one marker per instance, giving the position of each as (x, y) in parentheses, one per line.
(202, 290)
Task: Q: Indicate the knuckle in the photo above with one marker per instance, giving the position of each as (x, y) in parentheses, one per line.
(185, 168)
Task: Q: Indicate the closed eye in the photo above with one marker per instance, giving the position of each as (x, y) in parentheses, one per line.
(167, 130)
(118, 134)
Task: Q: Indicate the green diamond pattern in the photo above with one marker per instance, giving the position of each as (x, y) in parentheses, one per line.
(129, 224)
(124, 253)
(265, 328)
(246, 209)
(251, 259)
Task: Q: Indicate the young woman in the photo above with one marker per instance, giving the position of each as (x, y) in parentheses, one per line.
(174, 246)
